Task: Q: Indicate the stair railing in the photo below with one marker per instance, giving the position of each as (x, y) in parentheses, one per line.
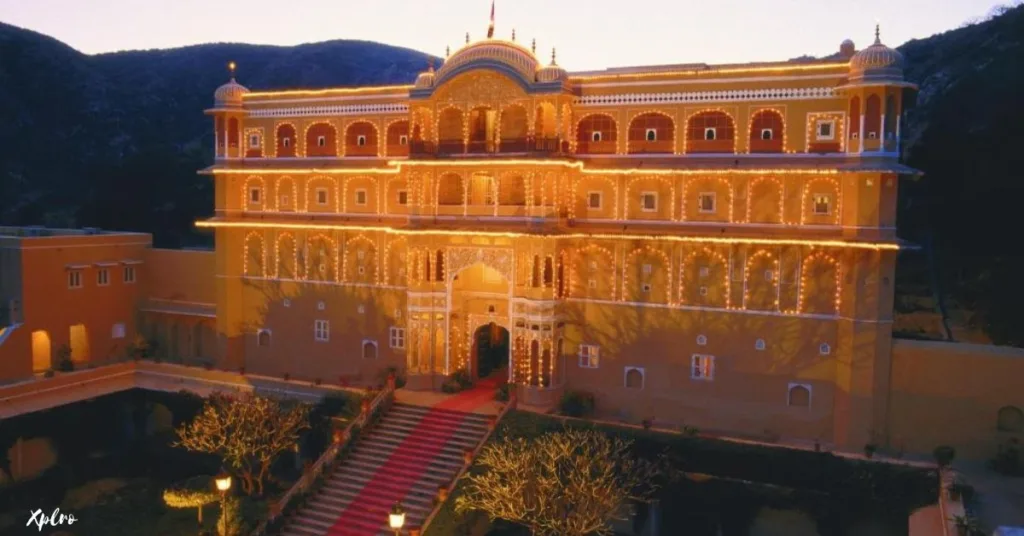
(382, 401)
(468, 461)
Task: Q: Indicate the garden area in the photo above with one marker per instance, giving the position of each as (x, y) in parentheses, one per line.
(700, 486)
(144, 462)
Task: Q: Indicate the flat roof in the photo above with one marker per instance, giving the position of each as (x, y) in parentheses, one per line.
(38, 231)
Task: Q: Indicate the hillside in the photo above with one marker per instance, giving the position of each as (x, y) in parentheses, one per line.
(114, 140)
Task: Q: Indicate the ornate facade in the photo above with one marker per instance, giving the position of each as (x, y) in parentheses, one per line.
(712, 245)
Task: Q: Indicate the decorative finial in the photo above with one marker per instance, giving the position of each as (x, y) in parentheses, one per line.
(467, 38)
(447, 51)
(513, 35)
(231, 69)
(490, 27)
(878, 33)
(431, 63)
(533, 47)
(553, 56)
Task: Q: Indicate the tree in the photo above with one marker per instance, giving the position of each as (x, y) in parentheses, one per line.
(195, 492)
(568, 483)
(247, 431)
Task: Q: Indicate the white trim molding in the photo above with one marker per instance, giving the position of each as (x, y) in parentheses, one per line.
(690, 97)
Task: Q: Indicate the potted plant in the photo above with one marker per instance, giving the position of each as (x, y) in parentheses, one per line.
(869, 450)
(944, 455)
(967, 525)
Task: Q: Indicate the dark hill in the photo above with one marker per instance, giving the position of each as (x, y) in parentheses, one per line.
(114, 140)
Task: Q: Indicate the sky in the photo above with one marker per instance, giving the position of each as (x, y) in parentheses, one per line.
(588, 35)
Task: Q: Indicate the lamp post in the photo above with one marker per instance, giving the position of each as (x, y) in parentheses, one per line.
(396, 519)
(223, 482)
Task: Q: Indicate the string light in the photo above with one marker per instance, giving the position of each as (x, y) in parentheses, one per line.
(277, 137)
(574, 137)
(836, 191)
(294, 255)
(868, 245)
(397, 280)
(729, 190)
(397, 90)
(376, 138)
(387, 134)
(346, 259)
(838, 123)
(819, 256)
(246, 269)
(688, 260)
(709, 111)
(304, 146)
(248, 133)
(775, 276)
(656, 112)
(666, 264)
(581, 257)
(246, 196)
(709, 71)
(782, 196)
(332, 257)
(312, 181)
(780, 114)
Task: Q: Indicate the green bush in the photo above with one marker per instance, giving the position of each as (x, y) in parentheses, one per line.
(64, 363)
(451, 386)
(1007, 460)
(502, 394)
(462, 378)
(577, 404)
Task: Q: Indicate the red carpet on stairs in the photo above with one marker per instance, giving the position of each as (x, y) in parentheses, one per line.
(367, 514)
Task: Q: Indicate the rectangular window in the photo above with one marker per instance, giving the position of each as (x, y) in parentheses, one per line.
(590, 356)
(646, 288)
(321, 331)
(766, 133)
(703, 367)
(403, 197)
(117, 332)
(709, 133)
(769, 275)
(321, 141)
(648, 269)
(649, 201)
(397, 337)
(254, 195)
(594, 200)
(361, 197)
(254, 141)
(321, 196)
(129, 274)
(821, 204)
(75, 279)
(826, 130)
(103, 277)
(706, 202)
(596, 136)
(704, 271)
(286, 142)
(403, 140)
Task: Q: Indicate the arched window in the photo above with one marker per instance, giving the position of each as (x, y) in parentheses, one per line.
(263, 337)
(536, 271)
(766, 132)
(710, 132)
(361, 139)
(549, 272)
(596, 134)
(321, 140)
(426, 266)
(872, 117)
(561, 281)
(855, 118)
(1010, 419)
(285, 140)
(651, 133)
(369, 349)
(439, 266)
(634, 378)
(799, 395)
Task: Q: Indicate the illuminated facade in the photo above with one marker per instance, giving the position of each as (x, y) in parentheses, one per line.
(705, 244)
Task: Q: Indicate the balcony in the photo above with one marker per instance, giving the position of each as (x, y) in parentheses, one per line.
(361, 150)
(824, 147)
(541, 146)
(398, 149)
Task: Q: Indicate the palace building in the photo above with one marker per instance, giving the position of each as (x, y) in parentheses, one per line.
(708, 243)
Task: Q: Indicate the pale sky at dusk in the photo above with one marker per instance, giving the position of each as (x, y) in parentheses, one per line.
(588, 35)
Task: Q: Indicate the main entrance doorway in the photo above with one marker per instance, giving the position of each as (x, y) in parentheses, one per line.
(490, 350)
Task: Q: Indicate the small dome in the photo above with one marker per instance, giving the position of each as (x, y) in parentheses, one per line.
(847, 49)
(425, 80)
(230, 94)
(552, 73)
(877, 61)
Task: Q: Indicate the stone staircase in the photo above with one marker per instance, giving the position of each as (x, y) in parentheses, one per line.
(406, 457)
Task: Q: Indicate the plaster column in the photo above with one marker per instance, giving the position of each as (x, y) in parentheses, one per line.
(860, 135)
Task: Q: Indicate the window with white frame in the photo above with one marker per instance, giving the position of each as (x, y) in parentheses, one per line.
(702, 367)
(321, 196)
(284, 201)
(321, 141)
(129, 274)
(633, 378)
(766, 134)
(254, 141)
(403, 197)
(254, 195)
(822, 204)
(594, 200)
(824, 349)
(769, 275)
(286, 142)
(361, 140)
(103, 277)
(263, 337)
(826, 130)
(706, 202)
(759, 344)
(651, 134)
(590, 356)
(702, 340)
(872, 135)
(117, 331)
(321, 331)
(703, 291)
(649, 201)
(596, 136)
(799, 395)
(592, 283)
(403, 140)
(320, 306)
(704, 271)
(396, 336)
(369, 349)
(645, 288)
(361, 197)
(710, 133)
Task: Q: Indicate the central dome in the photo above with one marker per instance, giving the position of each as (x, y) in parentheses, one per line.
(508, 53)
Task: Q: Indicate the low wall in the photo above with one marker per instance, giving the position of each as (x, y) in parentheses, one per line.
(950, 394)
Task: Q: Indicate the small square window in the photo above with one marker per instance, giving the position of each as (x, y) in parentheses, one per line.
(396, 337)
(821, 205)
(593, 265)
(117, 331)
(403, 140)
(284, 201)
(710, 134)
(596, 136)
(651, 134)
(321, 331)
(254, 141)
(320, 306)
(703, 291)
(403, 197)
(129, 274)
(361, 140)
(759, 344)
(706, 202)
(633, 378)
(646, 288)
(704, 271)
(361, 309)
(360, 254)
(286, 142)
(254, 195)
(103, 277)
(702, 367)
(286, 302)
(589, 356)
(854, 135)
(872, 135)
(824, 349)
(361, 197)
(321, 196)
(321, 141)
(826, 130)
(649, 201)
(702, 340)
(766, 134)
(594, 200)
(360, 270)
(592, 283)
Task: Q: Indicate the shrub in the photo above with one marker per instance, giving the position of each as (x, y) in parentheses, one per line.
(399, 376)
(451, 386)
(689, 431)
(49, 373)
(462, 378)
(577, 404)
(1007, 459)
(64, 363)
(944, 455)
(502, 394)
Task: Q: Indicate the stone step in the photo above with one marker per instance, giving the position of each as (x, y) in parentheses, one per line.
(360, 468)
(403, 409)
(342, 496)
(425, 436)
(413, 419)
(453, 456)
(452, 453)
(428, 468)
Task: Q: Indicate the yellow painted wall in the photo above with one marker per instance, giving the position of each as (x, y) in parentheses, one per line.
(181, 275)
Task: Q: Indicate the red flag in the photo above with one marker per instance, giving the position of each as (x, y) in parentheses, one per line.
(490, 29)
